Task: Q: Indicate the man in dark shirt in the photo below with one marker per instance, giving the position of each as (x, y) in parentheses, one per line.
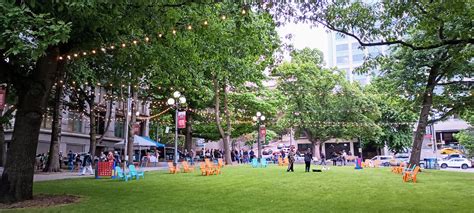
(308, 157)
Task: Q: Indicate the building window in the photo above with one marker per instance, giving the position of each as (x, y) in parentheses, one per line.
(358, 58)
(100, 122)
(355, 46)
(119, 128)
(74, 123)
(342, 59)
(47, 122)
(342, 47)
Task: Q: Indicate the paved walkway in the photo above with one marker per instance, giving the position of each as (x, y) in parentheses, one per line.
(70, 175)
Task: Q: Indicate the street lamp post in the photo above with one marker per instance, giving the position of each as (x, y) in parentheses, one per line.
(174, 102)
(259, 117)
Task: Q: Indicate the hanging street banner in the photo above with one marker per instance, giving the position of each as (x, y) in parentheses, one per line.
(263, 132)
(2, 98)
(136, 128)
(182, 120)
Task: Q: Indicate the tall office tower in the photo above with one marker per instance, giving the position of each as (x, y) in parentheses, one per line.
(345, 53)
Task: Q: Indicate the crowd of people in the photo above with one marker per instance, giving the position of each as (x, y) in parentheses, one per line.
(83, 161)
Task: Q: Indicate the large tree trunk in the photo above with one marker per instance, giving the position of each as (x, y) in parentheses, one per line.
(17, 179)
(93, 129)
(227, 150)
(189, 131)
(133, 120)
(225, 135)
(316, 148)
(423, 119)
(53, 160)
(2, 146)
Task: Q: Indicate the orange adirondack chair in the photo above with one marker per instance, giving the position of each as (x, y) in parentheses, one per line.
(213, 168)
(173, 169)
(220, 163)
(411, 175)
(285, 162)
(398, 169)
(187, 167)
(280, 161)
(204, 170)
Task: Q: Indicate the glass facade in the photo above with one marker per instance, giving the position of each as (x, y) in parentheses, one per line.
(74, 122)
(342, 59)
(119, 128)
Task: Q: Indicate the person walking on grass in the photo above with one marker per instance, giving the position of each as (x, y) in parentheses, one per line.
(291, 159)
(87, 164)
(308, 157)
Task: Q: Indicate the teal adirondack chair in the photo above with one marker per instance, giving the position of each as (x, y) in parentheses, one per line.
(254, 163)
(263, 163)
(121, 174)
(135, 173)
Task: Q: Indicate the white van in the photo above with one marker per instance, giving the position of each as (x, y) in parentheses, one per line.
(384, 159)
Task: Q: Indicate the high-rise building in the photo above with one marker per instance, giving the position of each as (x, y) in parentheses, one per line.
(345, 53)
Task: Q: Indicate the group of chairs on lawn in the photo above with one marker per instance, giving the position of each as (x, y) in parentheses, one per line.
(207, 167)
(407, 171)
(263, 163)
(130, 175)
(283, 161)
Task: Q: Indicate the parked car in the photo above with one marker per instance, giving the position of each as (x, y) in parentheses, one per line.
(279, 146)
(455, 155)
(447, 151)
(299, 157)
(384, 159)
(267, 154)
(456, 162)
(399, 158)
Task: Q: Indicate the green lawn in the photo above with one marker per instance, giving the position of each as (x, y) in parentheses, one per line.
(244, 189)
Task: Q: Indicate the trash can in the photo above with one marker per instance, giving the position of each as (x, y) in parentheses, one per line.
(430, 163)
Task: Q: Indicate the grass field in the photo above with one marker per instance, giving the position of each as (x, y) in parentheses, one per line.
(244, 189)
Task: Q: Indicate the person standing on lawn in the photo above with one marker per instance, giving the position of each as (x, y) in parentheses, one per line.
(308, 157)
(87, 164)
(291, 159)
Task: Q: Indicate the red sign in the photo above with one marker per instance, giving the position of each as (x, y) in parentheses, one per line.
(136, 128)
(2, 97)
(427, 136)
(182, 120)
(263, 132)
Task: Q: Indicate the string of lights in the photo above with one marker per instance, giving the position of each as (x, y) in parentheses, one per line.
(104, 48)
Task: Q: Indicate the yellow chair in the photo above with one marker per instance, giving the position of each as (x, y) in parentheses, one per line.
(213, 168)
(285, 162)
(204, 170)
(173, 169)
(187, 167)
(280, 161)
(220, 163)
(411, 175)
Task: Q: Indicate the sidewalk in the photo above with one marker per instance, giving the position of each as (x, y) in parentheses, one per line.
(65, 174)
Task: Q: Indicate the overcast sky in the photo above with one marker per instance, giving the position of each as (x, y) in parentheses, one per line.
(305, 36)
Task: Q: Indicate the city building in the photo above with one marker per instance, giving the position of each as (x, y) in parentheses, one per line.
(345, 53)
(75, 127)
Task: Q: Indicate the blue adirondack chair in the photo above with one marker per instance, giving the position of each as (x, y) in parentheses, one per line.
(135, 173)
(254, 163)
(121, 174)
(263, 163)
